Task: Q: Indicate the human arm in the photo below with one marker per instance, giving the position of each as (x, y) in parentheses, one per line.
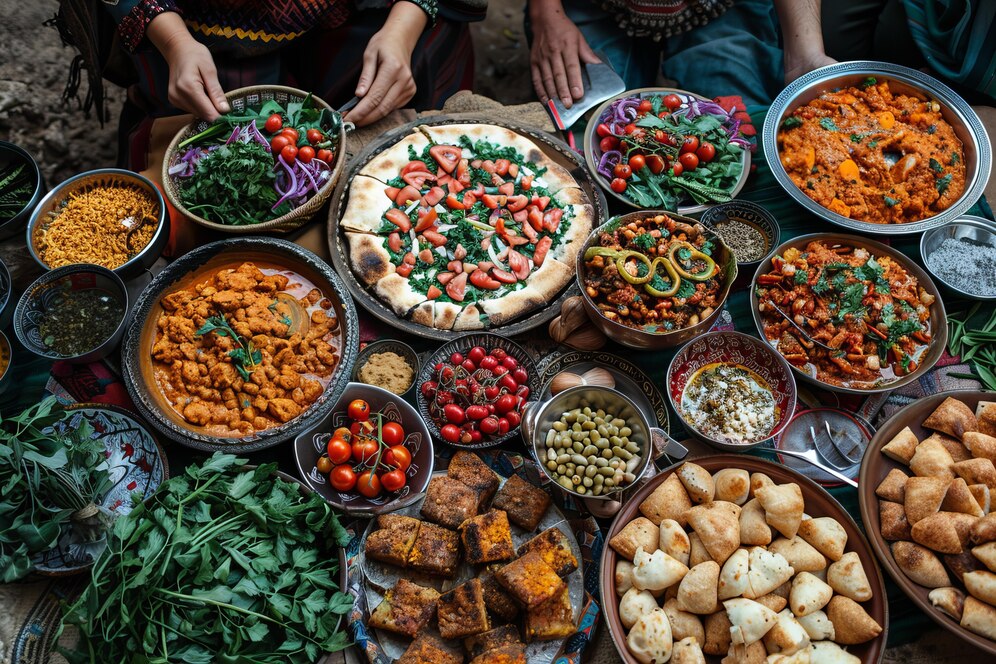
(802, 36)
(557, 52)
(386, 80)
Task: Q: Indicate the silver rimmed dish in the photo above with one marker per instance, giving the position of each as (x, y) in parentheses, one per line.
(968, 229)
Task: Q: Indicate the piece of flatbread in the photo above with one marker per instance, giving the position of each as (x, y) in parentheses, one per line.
(501, 310)
(398, 294)
(952, 417)
(368, 257)
(387, 164)
(469, 319)
(550, 278)
(366, 207)
(446, 314)
(424, 314)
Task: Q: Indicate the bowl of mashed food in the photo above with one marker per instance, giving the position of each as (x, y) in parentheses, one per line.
(877, 147)
(731, 390)
(390, 365)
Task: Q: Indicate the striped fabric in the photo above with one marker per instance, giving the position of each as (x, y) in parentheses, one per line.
(958, 39)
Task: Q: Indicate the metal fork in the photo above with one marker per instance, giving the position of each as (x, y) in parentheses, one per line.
(799, 328)
(836, 445)
(811, 457)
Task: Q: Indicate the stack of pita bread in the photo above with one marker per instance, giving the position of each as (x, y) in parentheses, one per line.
(731, 565)
(937, 515)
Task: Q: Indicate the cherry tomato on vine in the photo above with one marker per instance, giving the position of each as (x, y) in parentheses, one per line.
(365, 450)
(278, 143)
(358, 410)
(344, 433)
(689, 161)
(656, 163)
(398, 457)
(637, 162)
(289, 153)
(673, 102)
(690, 144)
(339, 451)
(631, 129)
(393, 480)
(622, 170)
(451, 433)
(645, 106)
(706, 152)
(368, 485)
(392, 433)
(342, 478)
(618, 185)
(608, 143)
(603, 130)
(274, 123)
(677, 169)
(314, 136)
(324, 465)
(476, 354)
(325, 155)
(306, 153)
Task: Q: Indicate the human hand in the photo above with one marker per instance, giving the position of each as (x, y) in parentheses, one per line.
(386, 80)
(193, 78)
(797, 65)
(558, 50)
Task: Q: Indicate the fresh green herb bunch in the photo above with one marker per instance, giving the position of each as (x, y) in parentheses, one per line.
(975, 343)
(16, 188)
(222, 564)
(49, 483)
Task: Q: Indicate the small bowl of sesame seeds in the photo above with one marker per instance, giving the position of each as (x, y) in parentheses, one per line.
(749, 230)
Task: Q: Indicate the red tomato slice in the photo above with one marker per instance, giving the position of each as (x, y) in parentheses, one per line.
(433, 293)
(394, 242)
(457, 288)
(453, 203)
(408, 195)
(519, 264)
(507, 189)
(501, 166)
(409, 259)
(535, 218)
(427, 256)
(521, 216)
(488, 166)
(434, 195)
(513, 169)
(503, 276)
(542, 247)
(490, 201)
(516, 203)
(417, 178)
(434, 238)
(392, 192)
(529, 231)
(413, 166)
(399, 219)
(404, 269)
(455, 186)
(463, 172)
(526, 183)
(485, 265)
(426, 220)
(481, 279)
(468, 200)
(447, 156)
(444, 277)
(443, 179)
(551, 220)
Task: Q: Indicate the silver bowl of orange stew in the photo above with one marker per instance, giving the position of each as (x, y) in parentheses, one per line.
(974, 153)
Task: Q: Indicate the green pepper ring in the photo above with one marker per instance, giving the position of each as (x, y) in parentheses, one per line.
(696, 254)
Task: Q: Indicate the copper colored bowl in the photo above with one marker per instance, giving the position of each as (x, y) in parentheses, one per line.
(818, 503)
(644, 339)
(875, 466)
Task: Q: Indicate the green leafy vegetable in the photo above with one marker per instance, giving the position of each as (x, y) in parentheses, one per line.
(868, 82)
(936, 166)
(685, 290)
(792, 122)
(889, 201)
(222, 564)
(246, 357)
(829, 124)
(645, 241)
(16, 189)
(942, 183)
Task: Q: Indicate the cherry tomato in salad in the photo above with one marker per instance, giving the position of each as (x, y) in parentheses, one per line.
(499, 354)
(392, 433)
(608, 143)
(393, 480)
(324, 465)
(489, 362)
(510, 363)
(506, 403)
(278, 143)
(398, 457)
(645, 106)
(677, 169)
(325, 155)
(689, 161)
(289, 153)
(603, 130)
(706, 152)
(339, 451)
(368, 485)
(342, 478)
(622, 170)
(656, 163)
(618, 185)
(637, 162)
(631, 129)
(274, 123)
(291, 133)
(673, 102)
(456, 358)
(358, 410)
(306, 153)
(690, 144)
(314, 136)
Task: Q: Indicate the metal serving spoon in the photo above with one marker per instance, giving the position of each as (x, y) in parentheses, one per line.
(799, 328)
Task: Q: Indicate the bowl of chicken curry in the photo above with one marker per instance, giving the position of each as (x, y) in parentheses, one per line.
(240, 345)
(877, 147)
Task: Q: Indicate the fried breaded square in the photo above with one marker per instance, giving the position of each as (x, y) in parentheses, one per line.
(526, 504)
(427, 649)
(510, 654)
(553, 619)
(436, 550)
(500, 603)
(393, 540)
(406, 608)
(530, 579)
(449, 502)
(468, 468)
(506, 635)
(555, 548)
(487, 538)
(462, 611)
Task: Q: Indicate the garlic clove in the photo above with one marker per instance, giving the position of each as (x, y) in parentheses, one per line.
(563, 381)
(598, 377)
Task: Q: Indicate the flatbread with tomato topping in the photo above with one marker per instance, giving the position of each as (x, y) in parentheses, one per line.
(469, 230)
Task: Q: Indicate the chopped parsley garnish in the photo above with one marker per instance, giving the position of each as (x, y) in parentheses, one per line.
(873, 144)
(850, 301)
(684, 255)
(954, 158)
(829, 124)
(791, 122)
(685, 290)
(660, 283)
(936, 166)
(868, 82)
(889, 201)
(645, 241)
(485, 150)
(942, 183)
(801, 277)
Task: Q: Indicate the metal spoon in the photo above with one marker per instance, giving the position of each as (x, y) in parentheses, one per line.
(836, 445)
(801, 331)
(810, 456)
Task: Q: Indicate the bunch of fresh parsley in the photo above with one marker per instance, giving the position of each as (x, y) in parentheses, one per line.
(223, 564)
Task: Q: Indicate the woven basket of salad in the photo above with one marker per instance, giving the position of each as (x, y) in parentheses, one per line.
(659, 148)
(267, 165)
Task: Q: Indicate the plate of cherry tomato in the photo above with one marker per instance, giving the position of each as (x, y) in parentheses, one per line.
(372, 454)
(473, 389)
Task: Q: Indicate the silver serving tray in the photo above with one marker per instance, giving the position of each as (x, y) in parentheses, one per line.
(956, 111)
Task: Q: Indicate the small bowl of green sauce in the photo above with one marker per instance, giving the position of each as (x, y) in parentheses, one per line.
(75, 313)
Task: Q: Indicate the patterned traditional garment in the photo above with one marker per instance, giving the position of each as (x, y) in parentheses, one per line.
(660, 19)
(239, 27)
